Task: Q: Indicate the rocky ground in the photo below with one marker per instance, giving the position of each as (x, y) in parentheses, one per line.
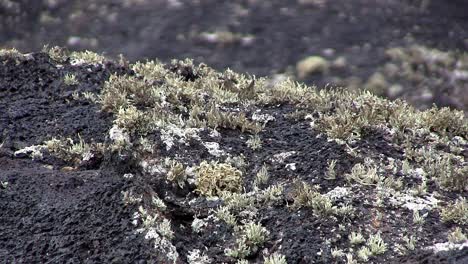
(108, 161)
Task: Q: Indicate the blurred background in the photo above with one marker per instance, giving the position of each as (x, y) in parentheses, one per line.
(411, 49)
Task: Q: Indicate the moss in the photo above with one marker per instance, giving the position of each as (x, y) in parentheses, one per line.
(251, 237)
(87, 57)
(445, 121)
(212, 178)
(456, 212)
(364, 174)
(12, 53)
(307, 196)
(56, 53)
(72, 151)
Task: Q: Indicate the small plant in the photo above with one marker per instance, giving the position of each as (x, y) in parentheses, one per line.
(410, 242)
(151, 70)
(446, 173)
(130, 198)
(164, 228)
(356, 238)
(87, 57)
(217, 118)
(376, 244)
(156, 201)
(148, 220)
(272, 194)
(275, 258)
(70, 79)
(251, 238)
(417, 218)
(225, 215)
(254, 142)
(262, 176)
(456, 236)
(72, 151)
(56, 53)
(255, 234)
(364, 174)
(364, 253)
(337, 253)
(350, 259)
(307, 196)
(456, 212)
(346, 211)
(176, 172)
(132, 120)
(331, 173)
(237, 201)
(240, 251)
(445, 121)
(343, 124)
(90, 97)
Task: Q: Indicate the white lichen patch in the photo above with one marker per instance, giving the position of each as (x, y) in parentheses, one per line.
(170, 132)
(281, 157)
(160, 243)
(117, 135)
(291, 166)
(414, 203)
(338, 193)
(262, 118)
(35, 152)
(128, 176)
(448, 246)
(87, 156)
(214, 133)
(213, 148)
(158, 230)
(167, 139)
(152, 167)
(198, 225)
(418, 173)
(197, 257)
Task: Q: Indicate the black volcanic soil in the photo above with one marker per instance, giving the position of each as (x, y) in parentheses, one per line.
(53, 213)
(36, 104)
(283, 32)
(51, 216)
